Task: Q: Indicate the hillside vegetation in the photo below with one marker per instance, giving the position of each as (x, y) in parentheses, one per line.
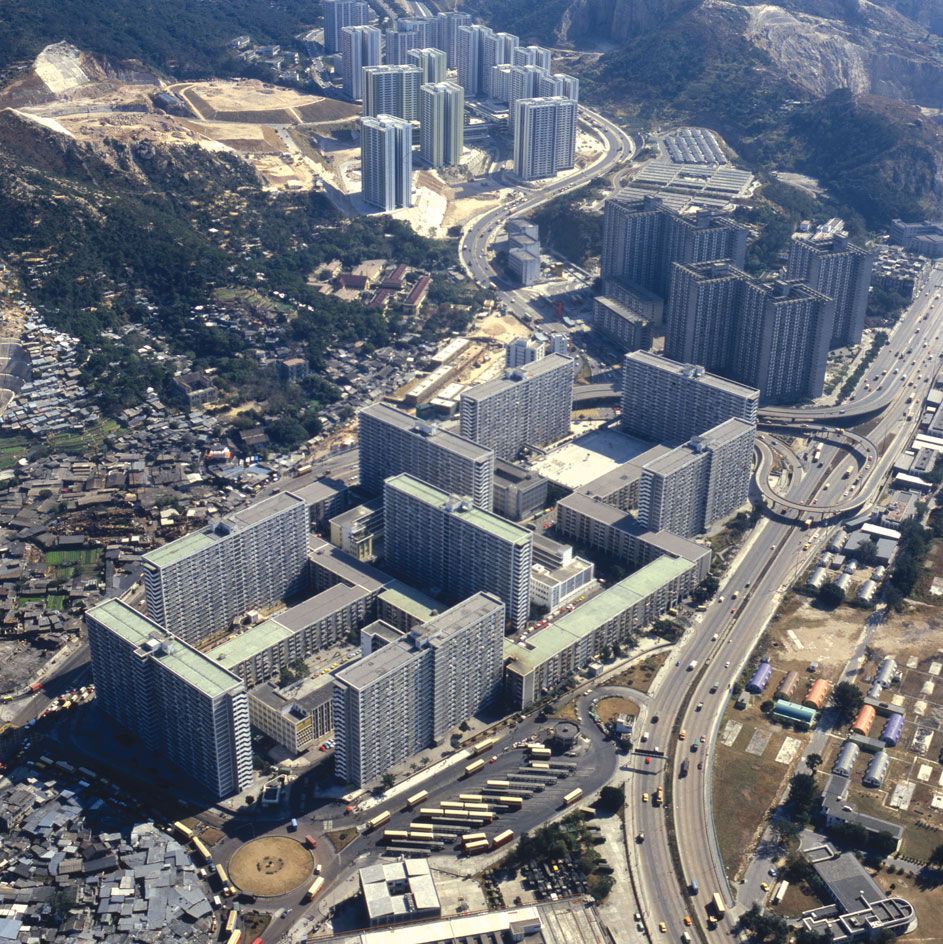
(186, 37)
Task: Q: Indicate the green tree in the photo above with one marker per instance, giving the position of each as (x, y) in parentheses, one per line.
(813, 761)
(388, 780)
(831, 595)
(847, 699)
(936, 857)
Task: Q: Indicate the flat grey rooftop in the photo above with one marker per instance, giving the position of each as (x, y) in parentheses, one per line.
(407, 423)
(680, 370)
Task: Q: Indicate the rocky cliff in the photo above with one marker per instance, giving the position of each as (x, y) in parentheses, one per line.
(884, 48)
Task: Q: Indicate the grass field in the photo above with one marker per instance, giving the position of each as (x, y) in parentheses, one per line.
(61, 558)
(12, 448)
(745, 787)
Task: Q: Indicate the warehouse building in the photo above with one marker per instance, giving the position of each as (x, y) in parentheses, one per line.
(845, 762)
(877, 769)
(802, 717)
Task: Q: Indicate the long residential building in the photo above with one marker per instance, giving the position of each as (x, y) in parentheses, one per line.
(643, 238)
(177, 700)
(337, 15)
(361, 46)
(774, 335)
(262, 651)
(406, 695)
(392, 442)
(529, 406)
(614, 616)
(391, 90)
(446, 546)
(544, 136)
(386, 158)
(431, 62)
(668, 402)
(196, 585)
(447, 25)
(831, 264)
(441, 123)
(688, 489)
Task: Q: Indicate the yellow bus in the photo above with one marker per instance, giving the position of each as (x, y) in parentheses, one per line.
(573, 796)
(421, 827)
(186, 834)
(539, 765)
(235, 937)
(515, 801)
(471, 837)
(231, 921)
(502, 839)
(538, 750)
(378, 820)
(201, 848)
(717, 903)
(478, 845)
(394, 835)
(474, 767)
(452, 805)
(483, 746)
(316, 886)
(471, 798)
(498, 784)
(416, 799)
(430, 811)
(223, 878)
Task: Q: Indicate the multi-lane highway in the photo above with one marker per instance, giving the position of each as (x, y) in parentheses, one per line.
(695, 700)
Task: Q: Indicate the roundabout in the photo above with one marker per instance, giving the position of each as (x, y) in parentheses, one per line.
(270, 866)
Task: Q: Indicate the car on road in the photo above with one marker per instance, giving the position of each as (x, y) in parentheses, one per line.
(703, 738)
(727, 664)
(645, 798)
(682, 735)
(640, 837)
(699, 706)
(693, 748)
(687, 921)
(714, 689)
(662, 927)
(764, 886)
(772, 873)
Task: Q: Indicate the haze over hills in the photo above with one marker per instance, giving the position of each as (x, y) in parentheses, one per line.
(775, 80)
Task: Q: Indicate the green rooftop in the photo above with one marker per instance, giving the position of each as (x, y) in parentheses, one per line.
(177, 550)
(410, 600)
(595, 612)
(496, 525)
(249, 644)
(192, 666)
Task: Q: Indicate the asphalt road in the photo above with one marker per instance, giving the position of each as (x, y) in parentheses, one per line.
(776, 558)
(475, 240)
